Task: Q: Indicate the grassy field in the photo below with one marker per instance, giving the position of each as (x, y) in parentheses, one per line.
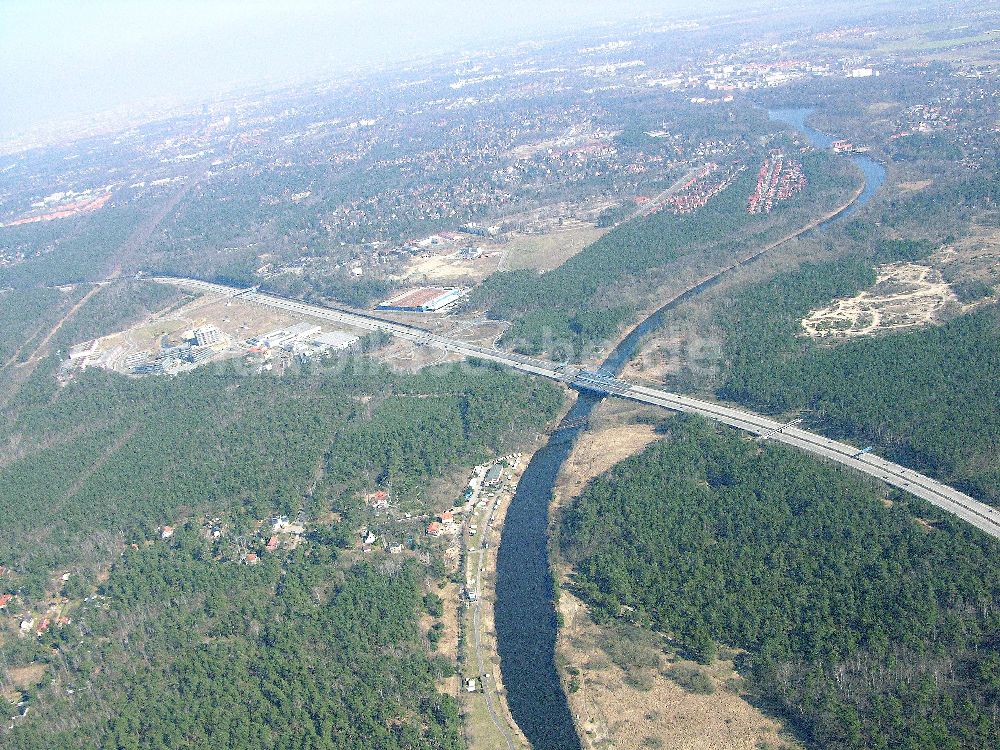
(923, 44)
(547, 251)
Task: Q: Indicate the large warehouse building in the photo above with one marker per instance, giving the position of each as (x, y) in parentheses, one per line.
(424, 299)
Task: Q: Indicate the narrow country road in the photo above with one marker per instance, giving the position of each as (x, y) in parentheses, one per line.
(498, 721)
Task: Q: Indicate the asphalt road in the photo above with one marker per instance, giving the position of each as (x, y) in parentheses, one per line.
(941, 495)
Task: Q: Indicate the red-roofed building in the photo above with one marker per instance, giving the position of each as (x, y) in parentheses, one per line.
(5, 600)
(423, 299)
(272, 544)
(378, 499)
(434, 528)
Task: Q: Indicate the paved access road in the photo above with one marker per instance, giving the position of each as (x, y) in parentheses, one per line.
(947, 498)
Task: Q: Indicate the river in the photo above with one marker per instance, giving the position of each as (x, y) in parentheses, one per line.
(524, 611)
(873, 171)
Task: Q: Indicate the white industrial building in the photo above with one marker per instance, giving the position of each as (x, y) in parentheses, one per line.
(336, 340)
(288, 336)
(206, 335)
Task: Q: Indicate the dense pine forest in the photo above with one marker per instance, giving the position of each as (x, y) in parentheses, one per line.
(179, 650)
(867, 628)
(107, 458)
(28, 315)
(593, 294)
(929, 397)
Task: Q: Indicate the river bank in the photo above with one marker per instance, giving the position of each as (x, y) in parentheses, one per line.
(488, 719)
(526, 622)
(628, 698)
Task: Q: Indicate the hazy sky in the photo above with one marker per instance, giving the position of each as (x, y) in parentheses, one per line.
(60, 59)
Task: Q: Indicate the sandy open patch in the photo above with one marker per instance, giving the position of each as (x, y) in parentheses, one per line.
(597, 451)
(543, 252)
(540, 251)
(910, 187)
(906, 295)
(26, 677)
(449, 268)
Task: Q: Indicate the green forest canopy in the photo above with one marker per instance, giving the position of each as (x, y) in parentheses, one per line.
(108, 456)
(930, 397)
(182, 651)
(867, 628)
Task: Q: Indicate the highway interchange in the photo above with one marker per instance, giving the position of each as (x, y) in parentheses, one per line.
(941, 495)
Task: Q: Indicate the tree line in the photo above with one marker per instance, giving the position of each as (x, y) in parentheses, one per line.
(867, 628)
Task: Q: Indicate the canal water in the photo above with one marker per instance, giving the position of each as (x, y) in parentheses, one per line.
(524, 612)
(873, 171)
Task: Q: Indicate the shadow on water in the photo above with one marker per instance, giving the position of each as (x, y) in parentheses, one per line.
(524, 612)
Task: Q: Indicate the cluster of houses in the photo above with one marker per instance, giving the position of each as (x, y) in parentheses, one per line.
(750, 69)
(39, 624)
(708, 182)
(284, 534)
(36, 623)
(484, 477)
(778, 179)
(279, 531)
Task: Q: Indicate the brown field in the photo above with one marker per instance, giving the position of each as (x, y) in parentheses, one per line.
(976, 256)
(597, 451)
(692, 339)
(448, 645)
(913, 186)
(642, 708)
(20, 678)
(449, 269)
(910, 295)
(653, 362)
(513, 251)
(877, 108)
(26, 677)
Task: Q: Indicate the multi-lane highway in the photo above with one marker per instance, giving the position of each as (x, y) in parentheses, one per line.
(947, 498)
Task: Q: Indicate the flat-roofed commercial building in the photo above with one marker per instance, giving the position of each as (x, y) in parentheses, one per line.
(286, 336)
(333, 340)
(424, 299)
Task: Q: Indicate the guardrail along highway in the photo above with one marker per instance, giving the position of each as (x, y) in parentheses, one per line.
(947, 498)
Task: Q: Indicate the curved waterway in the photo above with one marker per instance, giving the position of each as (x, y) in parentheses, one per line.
(524, 611)
(873, 171)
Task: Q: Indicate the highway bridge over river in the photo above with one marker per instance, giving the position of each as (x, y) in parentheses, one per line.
(947, 498)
